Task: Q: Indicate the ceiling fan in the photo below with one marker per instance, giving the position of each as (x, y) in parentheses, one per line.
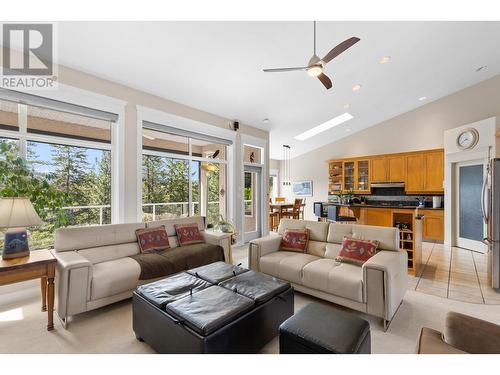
(316, 65)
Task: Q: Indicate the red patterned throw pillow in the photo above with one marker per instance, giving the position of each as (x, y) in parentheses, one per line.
(152, 239)
(188, 234)
(356, 251)
(295, 240)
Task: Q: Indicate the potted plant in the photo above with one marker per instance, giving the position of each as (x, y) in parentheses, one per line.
(224, 225)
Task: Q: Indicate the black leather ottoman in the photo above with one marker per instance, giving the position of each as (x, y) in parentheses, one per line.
(217, 308)
(319, 329)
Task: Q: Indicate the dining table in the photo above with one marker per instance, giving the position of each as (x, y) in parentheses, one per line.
(281, 208)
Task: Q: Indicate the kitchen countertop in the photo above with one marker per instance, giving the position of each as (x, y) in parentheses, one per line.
(356, 205)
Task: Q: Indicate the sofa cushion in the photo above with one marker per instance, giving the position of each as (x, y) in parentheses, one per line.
(256, 286)
(387, 238)
(106, 253)
(295, 240)
(317, 230)
(209, 309)
(340, 279)
(78, 238)
(216, 272)
(182, 258)
(356, 251)
(164, 291)
(188, 234)
(152, 239)
(114, 277)
(337, 232)
(316, 248)
(332, 250)
(169, 223)
(286, 265)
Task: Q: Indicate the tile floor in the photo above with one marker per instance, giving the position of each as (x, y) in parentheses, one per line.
(453, 273)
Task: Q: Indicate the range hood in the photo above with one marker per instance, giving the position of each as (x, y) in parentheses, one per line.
(387, 185)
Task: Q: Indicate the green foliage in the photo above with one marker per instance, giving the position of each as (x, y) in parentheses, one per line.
(18, 180)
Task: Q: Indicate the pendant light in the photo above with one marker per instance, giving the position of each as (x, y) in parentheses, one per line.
(286, 166)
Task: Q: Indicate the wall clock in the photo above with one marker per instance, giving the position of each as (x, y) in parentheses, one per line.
(467, 139)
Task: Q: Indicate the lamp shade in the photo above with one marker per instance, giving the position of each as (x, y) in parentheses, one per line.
(18, 213)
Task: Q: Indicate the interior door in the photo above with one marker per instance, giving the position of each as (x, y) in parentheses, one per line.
(252, 203)
(470, 226)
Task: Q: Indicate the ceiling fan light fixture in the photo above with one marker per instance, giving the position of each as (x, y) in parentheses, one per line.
(314, 70)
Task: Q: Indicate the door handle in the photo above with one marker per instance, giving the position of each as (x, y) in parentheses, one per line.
(483, 192)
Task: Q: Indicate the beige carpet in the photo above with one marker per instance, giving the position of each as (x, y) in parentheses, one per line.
(109, 329)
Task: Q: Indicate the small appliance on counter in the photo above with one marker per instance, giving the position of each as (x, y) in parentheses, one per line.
(436, 201)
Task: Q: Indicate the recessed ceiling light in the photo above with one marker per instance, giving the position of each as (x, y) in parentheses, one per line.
(356, 87)
(385, 59)
(481, 68)
(422, 98)
(347, 106)
(325, 126)
(348, 130)
(265, 121)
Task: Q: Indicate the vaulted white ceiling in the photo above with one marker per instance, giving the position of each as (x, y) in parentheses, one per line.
(217, 67)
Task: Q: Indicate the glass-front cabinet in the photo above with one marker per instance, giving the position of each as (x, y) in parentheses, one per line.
(362, 173)
(349, 176)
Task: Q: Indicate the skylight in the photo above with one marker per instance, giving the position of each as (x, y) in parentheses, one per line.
(324, 126)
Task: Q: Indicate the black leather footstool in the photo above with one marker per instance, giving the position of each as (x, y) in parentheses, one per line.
(319, 329)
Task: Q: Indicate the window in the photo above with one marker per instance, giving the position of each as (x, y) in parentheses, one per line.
(72, 152)
(183, 174)
(248, 194)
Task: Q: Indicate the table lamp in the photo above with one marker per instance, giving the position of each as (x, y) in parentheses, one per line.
(16, 214)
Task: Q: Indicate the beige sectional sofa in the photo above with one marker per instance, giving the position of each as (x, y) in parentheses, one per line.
(377, 287)
(94, 267)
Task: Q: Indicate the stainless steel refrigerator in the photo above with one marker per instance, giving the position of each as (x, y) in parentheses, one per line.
(490, 205)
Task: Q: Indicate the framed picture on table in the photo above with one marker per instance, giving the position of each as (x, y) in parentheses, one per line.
(302, 188)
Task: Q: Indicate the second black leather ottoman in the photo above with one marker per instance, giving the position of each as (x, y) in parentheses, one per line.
(318, 329)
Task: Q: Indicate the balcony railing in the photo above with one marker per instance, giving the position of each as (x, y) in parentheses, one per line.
(182, 208)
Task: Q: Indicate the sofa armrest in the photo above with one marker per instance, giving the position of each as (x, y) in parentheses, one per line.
(472, 335)
(221, 239)
(260, 247)
(70, 259)
(73, 277)
(385, 279)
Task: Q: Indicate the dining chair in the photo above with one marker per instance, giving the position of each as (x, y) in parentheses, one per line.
(274, 221)
(295, 212)
(279, 200)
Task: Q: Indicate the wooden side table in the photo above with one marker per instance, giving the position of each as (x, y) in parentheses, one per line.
(39, 264)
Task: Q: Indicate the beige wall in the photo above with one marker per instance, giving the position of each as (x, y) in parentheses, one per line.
(420, 129)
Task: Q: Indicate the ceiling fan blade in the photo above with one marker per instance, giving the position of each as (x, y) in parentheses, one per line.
(327, 82)
(337, 50)
(285, 69)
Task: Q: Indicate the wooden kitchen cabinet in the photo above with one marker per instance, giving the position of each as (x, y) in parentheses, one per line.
(433, 224)
(397, 168)
(362, 176)
(434, 171)
(379, 169)
(414, 173)
(379, 216)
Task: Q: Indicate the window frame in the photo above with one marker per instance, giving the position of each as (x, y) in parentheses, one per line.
(71, 95)
(189, 158)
